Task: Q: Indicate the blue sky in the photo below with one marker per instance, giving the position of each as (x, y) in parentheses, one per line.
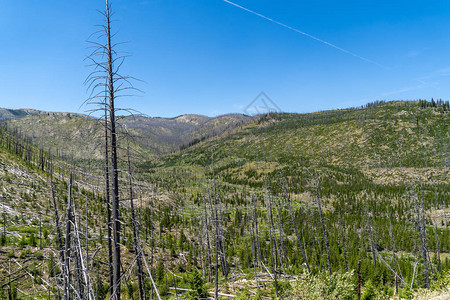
(210, 57)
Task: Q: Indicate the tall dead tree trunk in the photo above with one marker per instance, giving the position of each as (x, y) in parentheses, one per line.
(83, 279)
(322, 222)
(60, 244)
(208, 243)
(438, 250)
(217, 242)
(273, 245)
(282, 239)
(223, 256)
(294, 224)
(108, 202)
(393, 254)
(372, 245)
(114, 171)
(257, 241)
(67, 294)
(344, 249)
(422, 238)
(253, 244)
(141, 283)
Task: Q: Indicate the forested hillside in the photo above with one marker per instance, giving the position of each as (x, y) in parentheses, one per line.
(78, 138)
(368, 185)
(282, 205)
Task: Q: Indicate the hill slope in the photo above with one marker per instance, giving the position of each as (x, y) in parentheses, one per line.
(77, 137)
(250, 192)
(375, 140)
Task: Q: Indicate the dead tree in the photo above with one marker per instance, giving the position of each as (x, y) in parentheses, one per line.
(83, 279)
(257, 240)
(115, 175)
(217, 242)
(273, 242)
(341, 230)
(372, 244)
(141, 283)
(422, 237)
(106, 78)
(108, 200)
(438, 254)
(294, 224)
(394, 257)
(60, 244)
(69, 221)
(253, 244)
(208, 242)
(282, 238)
(322, 222)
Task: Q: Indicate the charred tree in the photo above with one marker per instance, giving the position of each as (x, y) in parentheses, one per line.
(294, 224)
(106, 85)
(69, 220)
(108, 200)
(141, 283)
(322, 222)
(422, 238)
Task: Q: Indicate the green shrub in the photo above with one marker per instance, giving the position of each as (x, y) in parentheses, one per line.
(322, 286)
(369, 291)
(32, 241)
(24, 253)
(406, 293)
(38, 255)
(243, 295)
(443, 282)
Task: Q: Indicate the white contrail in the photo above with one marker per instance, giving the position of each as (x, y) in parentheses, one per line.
(305, 34)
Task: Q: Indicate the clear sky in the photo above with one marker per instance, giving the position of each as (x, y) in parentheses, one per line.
(211, 57)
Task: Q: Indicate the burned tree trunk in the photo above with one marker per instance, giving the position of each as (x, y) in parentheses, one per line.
(294, 224)
(69, 219)
(322, 222)
(140, 272)
(60, 244)
(372, 245)
(108, 202)
(438, 250)
(344, 249)
(273, 244)
(114, 171)
(208, 243)
(422, 238)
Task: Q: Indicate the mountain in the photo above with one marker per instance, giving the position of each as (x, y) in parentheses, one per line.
(9, 114)
(78, 137)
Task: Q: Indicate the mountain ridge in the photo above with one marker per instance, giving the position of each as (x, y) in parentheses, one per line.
(79, 136)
